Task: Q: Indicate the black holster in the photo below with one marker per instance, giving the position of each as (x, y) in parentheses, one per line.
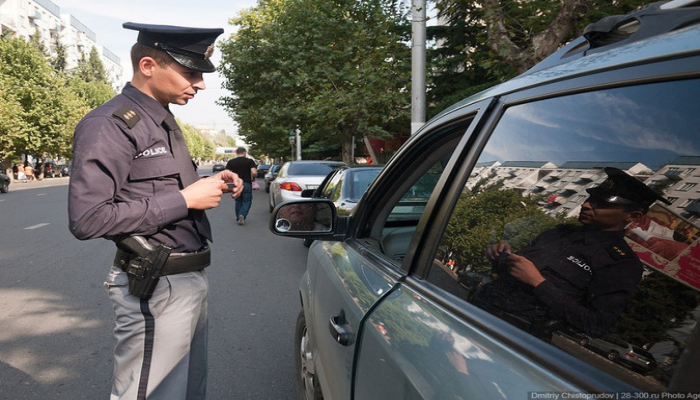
(143, 264)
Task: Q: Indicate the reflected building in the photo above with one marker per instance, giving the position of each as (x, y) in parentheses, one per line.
(558, 189)
(680, 183)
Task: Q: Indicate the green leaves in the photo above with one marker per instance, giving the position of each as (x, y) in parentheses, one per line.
(40, 106)
(335, 69)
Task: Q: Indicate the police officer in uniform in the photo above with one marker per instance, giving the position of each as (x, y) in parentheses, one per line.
(580, 276)
(133, 178)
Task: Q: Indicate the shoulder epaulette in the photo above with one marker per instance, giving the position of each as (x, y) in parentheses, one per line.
(618, 253)
(128, 115)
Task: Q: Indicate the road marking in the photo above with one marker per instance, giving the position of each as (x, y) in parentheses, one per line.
(36, 226)
(42, 194)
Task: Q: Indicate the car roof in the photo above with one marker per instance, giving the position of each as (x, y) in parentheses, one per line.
(681, 42)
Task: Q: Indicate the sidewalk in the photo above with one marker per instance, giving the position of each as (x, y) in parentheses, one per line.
(204, 169)
(46, 182)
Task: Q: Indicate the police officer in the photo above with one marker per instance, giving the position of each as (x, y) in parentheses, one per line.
(133, 176)
(582, 276)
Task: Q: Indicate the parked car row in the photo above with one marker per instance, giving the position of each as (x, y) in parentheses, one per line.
(386, 309)
(271, 175)
(297, 176)
(5, 183)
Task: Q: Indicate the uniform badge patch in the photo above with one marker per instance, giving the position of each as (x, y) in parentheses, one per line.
(129, 116)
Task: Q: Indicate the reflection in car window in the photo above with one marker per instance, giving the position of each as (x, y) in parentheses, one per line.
(332, 186)
(532, 188)
(413, 202)
(360, 182)
(396, 219)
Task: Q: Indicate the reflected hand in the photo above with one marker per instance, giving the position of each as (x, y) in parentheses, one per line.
(493, 251)
(523, 270)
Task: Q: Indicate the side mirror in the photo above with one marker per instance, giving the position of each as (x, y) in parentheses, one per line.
(308, 193)
(303, 217)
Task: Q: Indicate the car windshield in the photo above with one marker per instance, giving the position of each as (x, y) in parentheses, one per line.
(310, 169)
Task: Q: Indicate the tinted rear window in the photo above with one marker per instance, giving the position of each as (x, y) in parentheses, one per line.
(310, 169)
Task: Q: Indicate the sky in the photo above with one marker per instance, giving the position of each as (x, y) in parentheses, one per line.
(105, 19)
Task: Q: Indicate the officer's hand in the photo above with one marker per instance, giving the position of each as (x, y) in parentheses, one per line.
(493, 251)
(205, 193)
(524, 270)
(231, 178)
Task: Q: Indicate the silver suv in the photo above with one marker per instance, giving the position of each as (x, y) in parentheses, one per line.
(392, 302)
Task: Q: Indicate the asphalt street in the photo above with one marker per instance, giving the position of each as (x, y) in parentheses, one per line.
(56, 321)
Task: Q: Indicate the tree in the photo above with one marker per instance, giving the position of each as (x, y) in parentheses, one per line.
(490, 216)
(59, 62)
(93, 93)
(490, 41)
(12, 125)
(198, 145)
(90, 69)
(334, 69)
(48, 108)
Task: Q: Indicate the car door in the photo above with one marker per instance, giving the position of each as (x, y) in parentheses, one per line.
(523, 171)
(410, 346)
(347, 279)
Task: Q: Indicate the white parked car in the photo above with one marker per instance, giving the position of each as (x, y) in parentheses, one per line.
(296, 176)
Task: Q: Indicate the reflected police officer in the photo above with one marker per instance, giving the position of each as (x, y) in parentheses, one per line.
(133, 177)
(582, 276)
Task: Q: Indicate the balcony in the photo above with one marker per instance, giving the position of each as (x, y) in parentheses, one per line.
(693, 208)
(674, 175)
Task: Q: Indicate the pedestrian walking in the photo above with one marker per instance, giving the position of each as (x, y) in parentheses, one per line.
(20, 174)
(134, 182)
(246, 169)
(29, 172)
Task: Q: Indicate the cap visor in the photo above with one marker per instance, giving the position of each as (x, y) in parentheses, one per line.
(202, 65)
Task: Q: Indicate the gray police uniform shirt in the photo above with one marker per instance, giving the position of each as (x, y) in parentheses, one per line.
(125, 179)
(590, 277)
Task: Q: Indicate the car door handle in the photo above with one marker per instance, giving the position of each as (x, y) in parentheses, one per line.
(340, 329)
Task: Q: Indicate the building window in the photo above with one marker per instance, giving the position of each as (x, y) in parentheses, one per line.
(686, 186)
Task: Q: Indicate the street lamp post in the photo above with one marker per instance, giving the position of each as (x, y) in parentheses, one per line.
(418, 65)
(291, 142)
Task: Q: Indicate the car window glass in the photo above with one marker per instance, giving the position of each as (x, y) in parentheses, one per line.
(337, 187)
(360, 182)
(395, 220)
(331, 185)
(623, 300)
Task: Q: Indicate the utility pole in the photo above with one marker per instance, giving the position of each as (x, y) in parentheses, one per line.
(298, 144)
(291, 142)
(418, 14)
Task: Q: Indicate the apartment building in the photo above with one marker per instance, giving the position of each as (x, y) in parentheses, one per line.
(24, 18)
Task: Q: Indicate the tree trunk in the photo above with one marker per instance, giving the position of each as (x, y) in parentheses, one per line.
(541, 45)
(347, 150)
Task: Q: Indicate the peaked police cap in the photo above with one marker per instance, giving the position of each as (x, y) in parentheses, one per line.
(621, 188)
(190, 47)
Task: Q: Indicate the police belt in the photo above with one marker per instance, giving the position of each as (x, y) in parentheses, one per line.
(177, 263)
